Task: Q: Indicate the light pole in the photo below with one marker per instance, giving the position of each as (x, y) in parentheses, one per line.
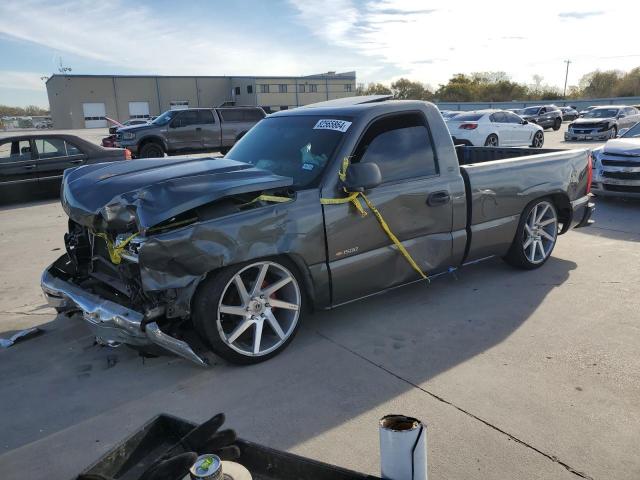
(566, 76)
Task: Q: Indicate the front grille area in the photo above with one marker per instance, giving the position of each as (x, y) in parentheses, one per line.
(589, 127)
(621, 188)
(622, 175)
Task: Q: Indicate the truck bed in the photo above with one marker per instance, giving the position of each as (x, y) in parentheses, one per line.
(500, 182)
(468, 155)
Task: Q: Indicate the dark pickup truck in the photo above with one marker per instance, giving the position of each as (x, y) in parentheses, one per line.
(197, 255)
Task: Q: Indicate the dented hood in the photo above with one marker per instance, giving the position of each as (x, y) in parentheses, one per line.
(112, 196)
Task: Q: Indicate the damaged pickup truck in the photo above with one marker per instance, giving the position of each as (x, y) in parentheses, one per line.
(221, 255)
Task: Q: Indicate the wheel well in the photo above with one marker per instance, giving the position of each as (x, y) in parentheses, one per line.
(563, 206)
(147, 140)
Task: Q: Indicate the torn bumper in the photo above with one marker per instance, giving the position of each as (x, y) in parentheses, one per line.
(111, 322)
(583, 209)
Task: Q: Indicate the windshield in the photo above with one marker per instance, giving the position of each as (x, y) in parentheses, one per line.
(298, 146)
(530, 111)
(633, 132)
(602, 113)
(165, 117)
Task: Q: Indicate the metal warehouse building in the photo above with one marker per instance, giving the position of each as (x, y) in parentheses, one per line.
(83, 101)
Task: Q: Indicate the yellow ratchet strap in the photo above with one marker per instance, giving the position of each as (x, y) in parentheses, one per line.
(353, 197)
(268, 198)
(115, 252)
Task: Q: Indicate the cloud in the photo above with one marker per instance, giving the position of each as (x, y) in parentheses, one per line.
(580, 15)
(148, 40)
(21, 80)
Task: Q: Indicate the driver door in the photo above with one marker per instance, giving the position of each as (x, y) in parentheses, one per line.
(182, 134)
(414, 199)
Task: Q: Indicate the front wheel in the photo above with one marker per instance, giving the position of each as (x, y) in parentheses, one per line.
(538, 139)
(557, 124)
(491, 141)
(151, 150)
(535, 237)
(249, 313)
(613, 133)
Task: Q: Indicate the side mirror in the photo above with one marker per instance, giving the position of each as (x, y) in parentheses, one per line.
(175, 124)
(362, 176)
(524, 122)
(622, 115)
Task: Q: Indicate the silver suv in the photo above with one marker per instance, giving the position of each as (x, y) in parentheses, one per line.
(189, 130)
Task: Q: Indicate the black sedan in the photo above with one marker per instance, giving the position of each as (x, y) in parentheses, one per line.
(33, 164)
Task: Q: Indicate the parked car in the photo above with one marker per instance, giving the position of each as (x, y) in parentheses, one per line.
(617, 166)
(547, 116)
(110, 141)
(584, 111)
(189, 130)
(32, 164)
(602, 123)
(517, 111)
(235, 247)
(43, 124)
(569, 113)
(494, 128)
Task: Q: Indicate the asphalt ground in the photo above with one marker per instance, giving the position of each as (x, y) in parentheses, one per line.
(519, 375)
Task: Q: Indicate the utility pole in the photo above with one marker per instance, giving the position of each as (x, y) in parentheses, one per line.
(566, 76)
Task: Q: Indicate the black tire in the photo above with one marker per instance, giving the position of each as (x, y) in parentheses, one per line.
(519, 255)
(614, 132)
(538, 139)
(216, 328)
(492, 141)
(557, 124)
(151, 150)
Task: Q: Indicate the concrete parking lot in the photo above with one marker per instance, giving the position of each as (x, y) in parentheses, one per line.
(519, 375)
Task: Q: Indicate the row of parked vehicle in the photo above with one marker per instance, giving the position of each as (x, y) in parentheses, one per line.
(524, 127)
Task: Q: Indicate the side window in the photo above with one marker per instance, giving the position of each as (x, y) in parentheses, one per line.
(72, 149)
(512, 117)
(498, 117)
(252, 115)
(186, 118)
(16, 151)
(400, 146)
(231, 115)
(205, 116)
(50, 147)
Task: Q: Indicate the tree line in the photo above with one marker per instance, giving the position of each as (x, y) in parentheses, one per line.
(28, 111)
(498, 87)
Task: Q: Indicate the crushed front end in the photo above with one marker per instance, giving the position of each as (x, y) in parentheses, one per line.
(110, 296)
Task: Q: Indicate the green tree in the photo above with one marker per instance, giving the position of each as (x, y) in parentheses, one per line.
(404, 89)
(600, 84)
(629, 84)
(373, 89)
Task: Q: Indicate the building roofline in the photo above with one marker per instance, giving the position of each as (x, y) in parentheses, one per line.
(346, 75)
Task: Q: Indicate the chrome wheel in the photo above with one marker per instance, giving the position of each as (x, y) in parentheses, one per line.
(540, 232)
(538, 140)
(258, 309)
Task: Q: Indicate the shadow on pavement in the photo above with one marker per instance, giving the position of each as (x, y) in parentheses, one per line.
(327, 377)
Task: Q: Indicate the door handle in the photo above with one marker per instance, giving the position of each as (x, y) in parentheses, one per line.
(29, 167)
(438, 198)
(198, 129)
(77, 161)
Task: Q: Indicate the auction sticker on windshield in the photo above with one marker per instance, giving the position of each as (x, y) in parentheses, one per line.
(337, 125)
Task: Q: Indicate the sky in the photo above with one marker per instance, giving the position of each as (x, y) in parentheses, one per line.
(382, 40)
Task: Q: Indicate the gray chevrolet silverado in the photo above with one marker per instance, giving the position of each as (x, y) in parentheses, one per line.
(189, 130)
(221, 255)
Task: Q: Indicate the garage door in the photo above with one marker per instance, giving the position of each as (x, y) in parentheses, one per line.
(138, 109)
(94, 114)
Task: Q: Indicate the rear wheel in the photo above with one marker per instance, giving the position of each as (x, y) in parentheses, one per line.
(557, 124)
(538, 139)
(250, 312)
(535, 237)
(491, 141)
(151, 150)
